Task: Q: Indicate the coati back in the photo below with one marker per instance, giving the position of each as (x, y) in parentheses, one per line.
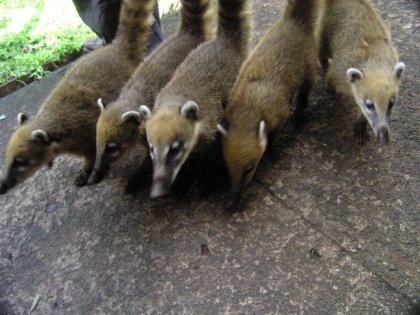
(65, 124)
(360, 60)
(281, 66)
(118, 125)
(188, 109)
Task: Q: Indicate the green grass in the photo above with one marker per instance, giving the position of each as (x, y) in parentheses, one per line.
(34, 33)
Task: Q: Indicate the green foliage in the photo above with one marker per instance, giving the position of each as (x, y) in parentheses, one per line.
(26, 52)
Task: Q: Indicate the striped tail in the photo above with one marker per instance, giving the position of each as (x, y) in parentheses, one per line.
(234, 22)
(195, 17)
(134, 27)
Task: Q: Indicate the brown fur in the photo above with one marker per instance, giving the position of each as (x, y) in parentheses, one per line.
(282, 65)
(204, 78)
(354, 36)
(149, 78)
(69, 114)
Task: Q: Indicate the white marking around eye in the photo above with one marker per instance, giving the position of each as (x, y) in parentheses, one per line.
(175, 145)
(112, 144)
(166, 151)
(22, 168)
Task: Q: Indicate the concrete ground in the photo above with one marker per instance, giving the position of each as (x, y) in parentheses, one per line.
(327, 227)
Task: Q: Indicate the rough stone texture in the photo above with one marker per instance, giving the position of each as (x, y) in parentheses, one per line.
(327, 227)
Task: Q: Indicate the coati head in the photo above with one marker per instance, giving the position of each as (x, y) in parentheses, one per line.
(376, 91)
(27, 150)
(171, 137)
(242, 152)
(116, 133)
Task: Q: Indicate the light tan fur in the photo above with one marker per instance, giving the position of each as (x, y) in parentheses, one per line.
(283, 65)
(149, 78)
(189, 107)
(354, 36)
(69, 114)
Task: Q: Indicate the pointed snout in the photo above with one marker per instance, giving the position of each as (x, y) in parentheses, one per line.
(234, 201)
(160, 188)
(383, 135)
(96, 176)
(100, 170)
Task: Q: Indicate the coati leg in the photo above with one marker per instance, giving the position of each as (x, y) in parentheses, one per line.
(146, 168)
(83, 177)
(360, 130)
(302, 98)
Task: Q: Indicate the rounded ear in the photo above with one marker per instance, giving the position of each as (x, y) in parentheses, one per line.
(100, 104)
(354, 74)
(144, 112)
(222, 130)
(190, 110)
(21, 118)
(41, 136)
(399, 69)
(131, 117)
(262, 133)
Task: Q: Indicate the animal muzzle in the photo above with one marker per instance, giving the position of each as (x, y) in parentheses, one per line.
(160, 187)
(6, 184)
(97, 176)
(101, 169)
(383, 135)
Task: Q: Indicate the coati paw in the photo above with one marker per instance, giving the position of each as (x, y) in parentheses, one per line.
(361, 135)
(82, 179)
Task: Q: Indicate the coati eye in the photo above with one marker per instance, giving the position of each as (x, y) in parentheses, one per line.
(369, 105)
(176, 147)
(391, 104)
(19, 161)
(113, 148)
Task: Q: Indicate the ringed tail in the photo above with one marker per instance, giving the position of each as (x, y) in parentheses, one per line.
(194, 17)
(234, 22)
(134, 27)
(305, 12)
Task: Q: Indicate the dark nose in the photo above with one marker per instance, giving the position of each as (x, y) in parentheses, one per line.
(383, 135)
(5, 185)
(160, 187)
(96, 177)
(233, 202)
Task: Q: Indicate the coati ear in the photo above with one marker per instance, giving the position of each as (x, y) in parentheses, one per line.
(222, 130)
(144, 112)
(131, 117)
(21, 118)
(40, 136)
(190, 110)
(399, 69)
(262, 133)
(100, 104)
(354, 74)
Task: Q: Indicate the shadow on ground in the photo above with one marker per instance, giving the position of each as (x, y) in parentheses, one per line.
(327, 227)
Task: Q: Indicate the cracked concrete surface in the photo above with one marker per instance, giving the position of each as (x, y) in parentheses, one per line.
(327, 227)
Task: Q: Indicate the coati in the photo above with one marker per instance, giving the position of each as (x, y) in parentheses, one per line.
(282, 66)
(118, 125)
(66, 122)
(360, 60)
(188, 109)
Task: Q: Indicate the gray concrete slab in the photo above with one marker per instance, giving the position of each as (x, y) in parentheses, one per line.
(327, 227)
